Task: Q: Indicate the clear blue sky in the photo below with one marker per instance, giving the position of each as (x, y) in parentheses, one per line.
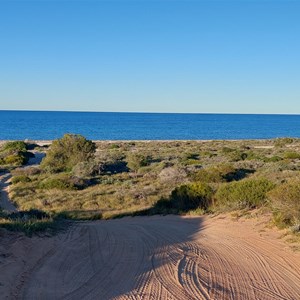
(159, 56)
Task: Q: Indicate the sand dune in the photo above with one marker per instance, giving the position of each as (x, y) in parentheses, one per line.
(151, 258)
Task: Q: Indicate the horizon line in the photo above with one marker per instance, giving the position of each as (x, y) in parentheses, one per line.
(149, 112)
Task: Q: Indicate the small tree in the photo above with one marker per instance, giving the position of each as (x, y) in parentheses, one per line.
(67, 152)
(136, 161)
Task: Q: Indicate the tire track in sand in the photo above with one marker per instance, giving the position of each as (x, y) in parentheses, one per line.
(160, 258)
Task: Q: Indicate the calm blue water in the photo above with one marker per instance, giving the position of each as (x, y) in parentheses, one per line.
(145, 126)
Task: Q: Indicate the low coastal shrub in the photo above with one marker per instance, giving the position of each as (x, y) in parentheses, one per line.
(135, 161)
(67, 152)
(191, 155)
(64, 181)
(274, 158)
(207, 175)
(221, 173)
(237, 155)
(251, 155)
(188, 197)
(20, 178)
(191, 196)
(14, 154)
(285, 201)
(29, 227)
(15, 146)
(234, 155)
(14, 159)
(190, 158)
(291, 155)
(114, 146)
(217, 173)
(30, 222)
(247, 193)
(61, 182)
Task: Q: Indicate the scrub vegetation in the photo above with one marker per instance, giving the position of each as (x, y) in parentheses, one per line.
(32, 221)
(14, 154)
(80, 179)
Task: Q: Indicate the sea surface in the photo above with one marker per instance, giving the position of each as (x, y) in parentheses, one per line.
(45, 125)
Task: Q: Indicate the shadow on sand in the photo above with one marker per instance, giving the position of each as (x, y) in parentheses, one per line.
(140, 257)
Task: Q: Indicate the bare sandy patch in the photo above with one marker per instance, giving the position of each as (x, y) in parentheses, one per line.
(151, 258)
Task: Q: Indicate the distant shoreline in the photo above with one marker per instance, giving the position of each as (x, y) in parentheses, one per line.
(49, 142)
(150, 112)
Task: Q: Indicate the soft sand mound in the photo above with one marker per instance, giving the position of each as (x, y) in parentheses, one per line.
(151, 258)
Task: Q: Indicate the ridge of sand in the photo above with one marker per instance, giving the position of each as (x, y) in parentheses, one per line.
(152, 258)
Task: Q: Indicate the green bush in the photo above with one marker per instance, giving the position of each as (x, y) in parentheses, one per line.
(251, 155)
(64, 182)
(234, 154)
(57, 182)
(227, 150)
(136, 161)
(291, 155)
(14, 159)
(14, 153)
(31, 226)
(30, 222)
(218, 173)
(237, 155)
(114, 146)
(20, 178)
(274, 158)
(191, 196)
(285, 201)
(14, 146)
(247, 193)
(67, 152)
(205, 175)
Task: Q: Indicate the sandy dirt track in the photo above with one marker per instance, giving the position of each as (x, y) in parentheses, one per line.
(5, 202)
(151, 258)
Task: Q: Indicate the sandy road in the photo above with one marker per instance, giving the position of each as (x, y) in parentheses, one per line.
(5, 202)
(5, 177)
(151, 258)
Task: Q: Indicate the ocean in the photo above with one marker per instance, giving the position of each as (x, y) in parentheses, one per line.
(46, 125)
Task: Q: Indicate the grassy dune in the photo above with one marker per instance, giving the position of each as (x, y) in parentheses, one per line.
(149, 177)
